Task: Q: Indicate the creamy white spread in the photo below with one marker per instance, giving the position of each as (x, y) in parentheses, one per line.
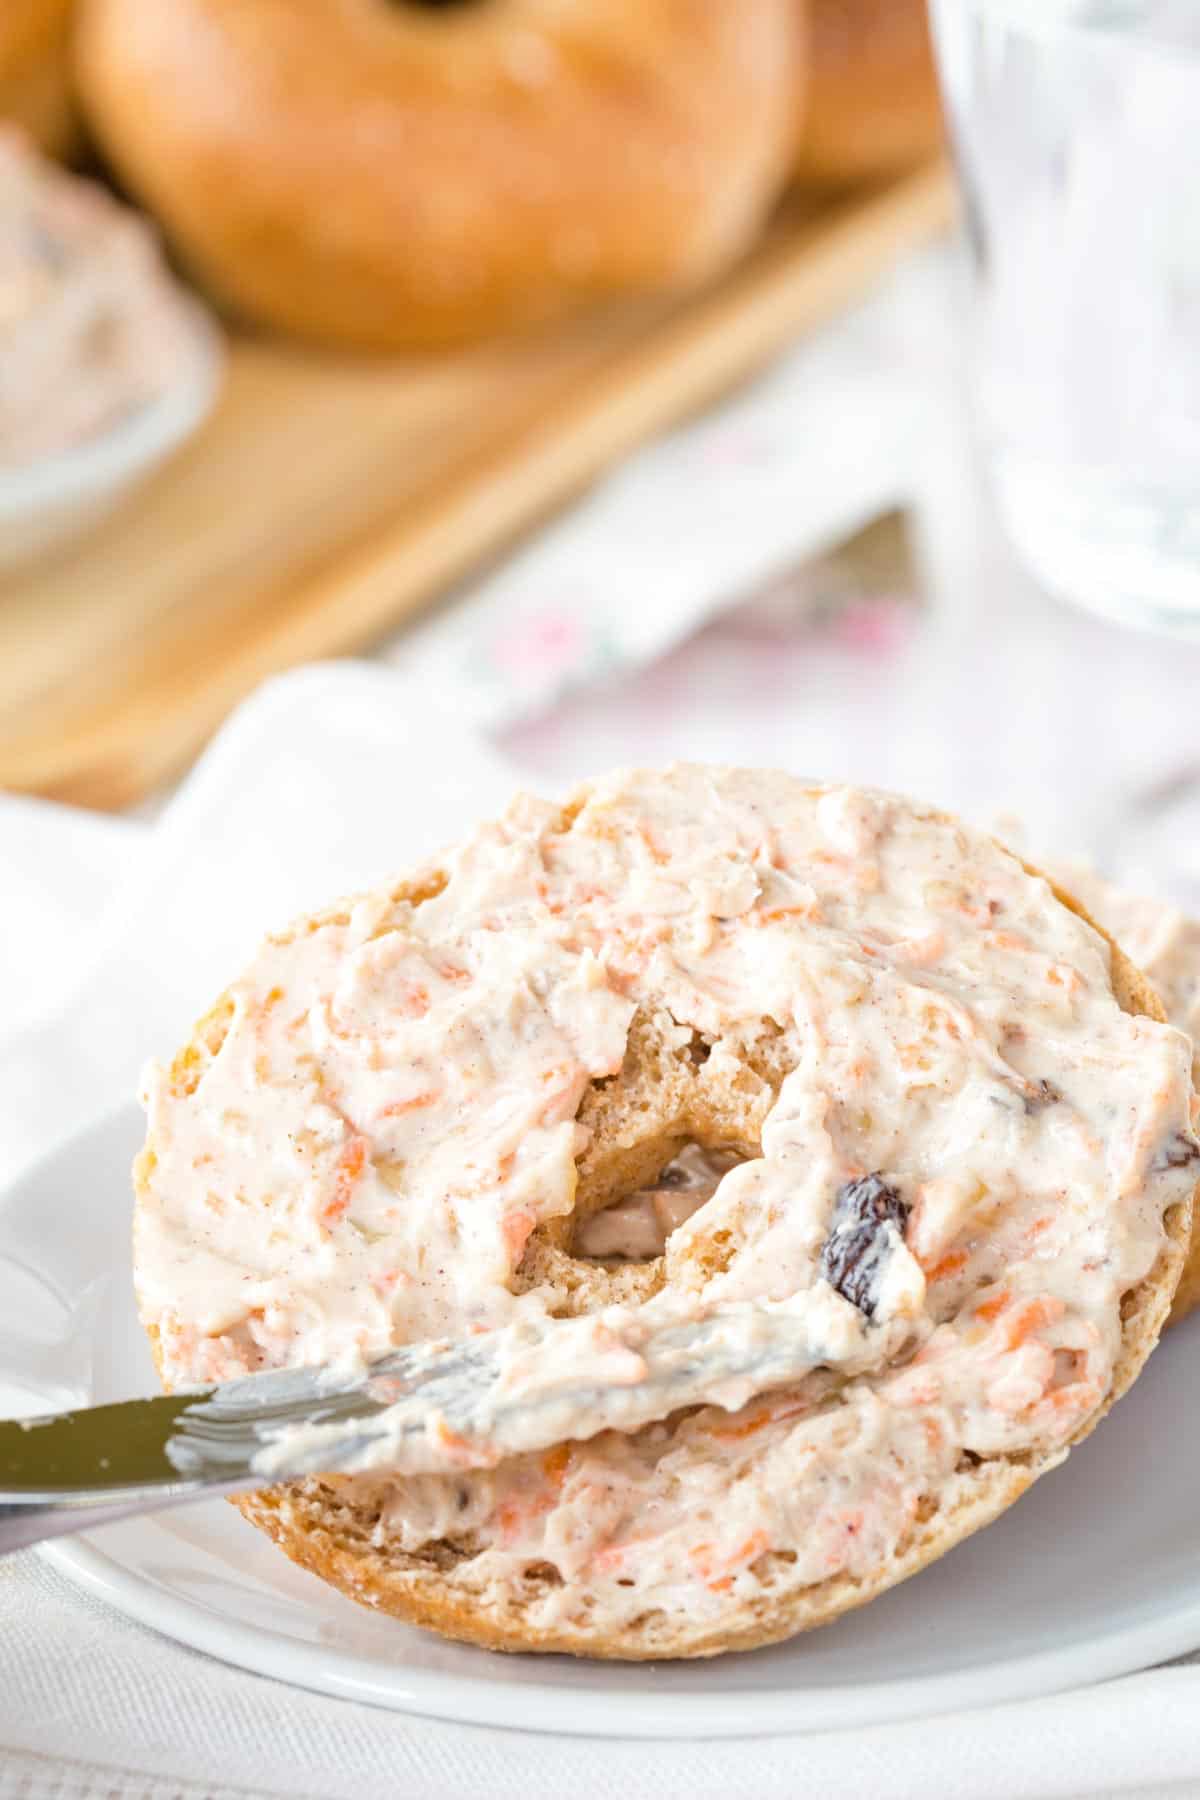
(450, 1407)
(1163, 941)
(392, 1113)
(92, 327)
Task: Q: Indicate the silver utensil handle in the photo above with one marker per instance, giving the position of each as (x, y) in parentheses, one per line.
(24, 1523)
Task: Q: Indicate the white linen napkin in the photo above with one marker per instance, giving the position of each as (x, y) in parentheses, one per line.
(326, 780)
(790, 465)
(94, 1707)
(307, 794)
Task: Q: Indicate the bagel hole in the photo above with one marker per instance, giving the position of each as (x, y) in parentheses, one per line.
(636, 1122)
(635, 1224)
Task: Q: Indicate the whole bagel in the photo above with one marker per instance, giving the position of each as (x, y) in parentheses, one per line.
(962, 1146)
(35, 73)
(869, 106)
(387, 173)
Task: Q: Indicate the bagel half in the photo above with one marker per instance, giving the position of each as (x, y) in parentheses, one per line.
(1165, 944)
(337, 1527)
(386, 174)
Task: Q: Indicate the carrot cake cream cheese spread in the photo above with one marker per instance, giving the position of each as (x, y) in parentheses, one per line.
(92, 327)
(705, 1069)
(1163, 941)
(1165, 944)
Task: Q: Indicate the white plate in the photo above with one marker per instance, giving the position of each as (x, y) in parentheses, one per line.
(1095, 1573)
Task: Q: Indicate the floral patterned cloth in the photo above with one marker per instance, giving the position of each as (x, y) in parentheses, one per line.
(742, 500)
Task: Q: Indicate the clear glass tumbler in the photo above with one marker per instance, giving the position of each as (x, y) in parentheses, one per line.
(1076, 126)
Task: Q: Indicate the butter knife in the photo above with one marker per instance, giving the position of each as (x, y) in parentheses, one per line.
(428, 1408)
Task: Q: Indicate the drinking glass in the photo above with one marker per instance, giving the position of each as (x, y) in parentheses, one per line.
(1076, 129)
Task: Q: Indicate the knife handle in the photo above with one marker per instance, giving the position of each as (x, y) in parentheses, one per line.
(34, 1522)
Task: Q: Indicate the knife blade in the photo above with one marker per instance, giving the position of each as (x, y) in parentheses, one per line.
(426, 1408)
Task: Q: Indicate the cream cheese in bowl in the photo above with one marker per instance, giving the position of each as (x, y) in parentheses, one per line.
(106, 363)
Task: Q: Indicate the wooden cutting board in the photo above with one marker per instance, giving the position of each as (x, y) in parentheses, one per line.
(329, 498)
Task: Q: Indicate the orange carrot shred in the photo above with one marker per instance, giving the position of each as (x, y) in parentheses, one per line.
(396, 1108)
(350, 1165)
(1031, 1318)
(949, 1265)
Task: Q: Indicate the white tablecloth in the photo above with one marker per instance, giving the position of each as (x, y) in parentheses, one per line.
(113, 934)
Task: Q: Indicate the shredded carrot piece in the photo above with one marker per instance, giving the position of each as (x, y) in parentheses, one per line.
(514, 1514)
(1031, 1318)
(611, 1558)
(917, 1390)
(350, 1165)
(948, 1266)
(555, 1464)
(923, 952)
(269, 1000)
(397, 1108)
(1076, 1396)
(459, 1449)
(656, 850)
(991, 1309)
(516, 1227)
(717, 1571)
(508, 1518)
(729, 1434)
(771, 1415)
